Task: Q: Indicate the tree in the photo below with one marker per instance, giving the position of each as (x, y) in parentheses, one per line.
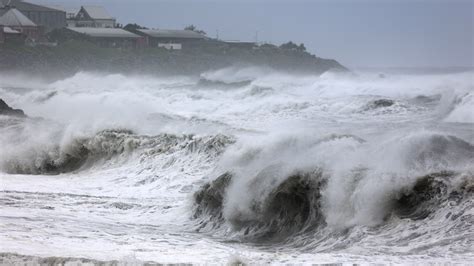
(134, 27)
(302, 48)
(268, 46)
(195, 29)
(289, 46)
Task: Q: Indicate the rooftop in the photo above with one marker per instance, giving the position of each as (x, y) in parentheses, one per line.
(97, 12)
(237, 41)
(25, 6)
(105, 32)
(13, 17)
(159, 33)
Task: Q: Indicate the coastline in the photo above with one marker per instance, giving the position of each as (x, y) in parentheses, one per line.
(73, 56)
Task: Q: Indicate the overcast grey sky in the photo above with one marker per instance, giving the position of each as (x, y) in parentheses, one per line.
(357, 33)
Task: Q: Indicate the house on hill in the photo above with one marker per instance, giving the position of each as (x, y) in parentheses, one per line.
(240, 44)
(45, 17)
(92, 17)
(14, 21)
(171, 39)
(71, 13)
(110, 37)
(8, 34)
(71, 16)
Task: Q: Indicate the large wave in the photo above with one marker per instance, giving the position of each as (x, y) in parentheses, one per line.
(82, 152)
(270, 193)
(361, 163)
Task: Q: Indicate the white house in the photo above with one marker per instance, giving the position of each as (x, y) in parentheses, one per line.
(171, 39)
(93, 17)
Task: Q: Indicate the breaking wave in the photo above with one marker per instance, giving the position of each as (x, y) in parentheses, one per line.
(462, 109)
(80, 153)
(291, 207)
(263, 160)
(268, 197)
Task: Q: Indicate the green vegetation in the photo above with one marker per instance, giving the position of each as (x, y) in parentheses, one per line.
(134, 27)
(195, 29)
(76, 52)
(293, 47)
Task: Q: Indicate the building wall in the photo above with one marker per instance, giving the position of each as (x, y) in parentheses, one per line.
(33, 33)
(142, 42)
(81, 23)
(71, 23)
(16, 38)
(170, 46)
(244, 45)
(98, 23)
(184, 42)
(115, 42)
(50, 20)
(2, 35)
(104, 23)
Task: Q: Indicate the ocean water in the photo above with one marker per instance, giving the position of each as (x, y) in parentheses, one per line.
(238, 165)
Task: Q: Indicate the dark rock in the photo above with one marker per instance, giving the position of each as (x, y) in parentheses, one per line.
(380, 103)
(7, 110)
(383, 103)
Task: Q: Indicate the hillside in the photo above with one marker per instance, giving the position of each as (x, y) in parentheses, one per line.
(74, 55)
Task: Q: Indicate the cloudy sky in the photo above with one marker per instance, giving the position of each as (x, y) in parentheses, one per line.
(357, 33)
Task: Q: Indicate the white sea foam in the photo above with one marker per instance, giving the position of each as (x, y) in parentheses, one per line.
(132, 151)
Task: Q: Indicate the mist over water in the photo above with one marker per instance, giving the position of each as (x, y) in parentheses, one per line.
(246, 164)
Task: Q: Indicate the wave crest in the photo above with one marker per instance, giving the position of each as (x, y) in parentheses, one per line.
(81, 153)
(291, 188)
(290, 207)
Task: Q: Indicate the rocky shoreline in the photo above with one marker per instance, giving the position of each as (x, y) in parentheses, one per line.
(9, 111)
